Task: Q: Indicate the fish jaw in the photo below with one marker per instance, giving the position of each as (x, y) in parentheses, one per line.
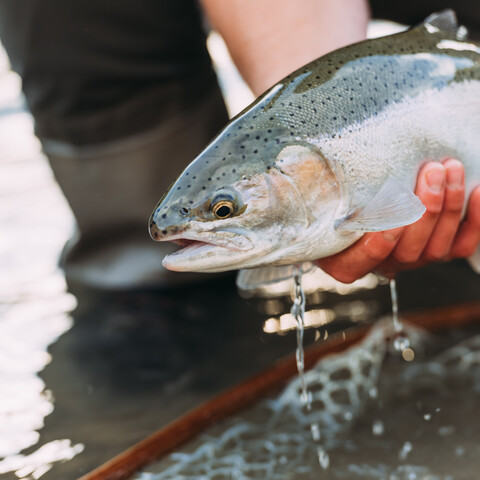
(205, 251)
(201, 256)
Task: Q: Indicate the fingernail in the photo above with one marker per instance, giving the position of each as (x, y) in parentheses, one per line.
(454, 178)
(436, 179)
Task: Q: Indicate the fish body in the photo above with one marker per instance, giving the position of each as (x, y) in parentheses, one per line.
(329, 153)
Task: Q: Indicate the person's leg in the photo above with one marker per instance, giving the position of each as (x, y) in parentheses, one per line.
(112, 189)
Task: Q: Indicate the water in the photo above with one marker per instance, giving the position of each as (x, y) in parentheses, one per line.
(401, 342)
(378, 428)
(405, 450)
(298, 312)
(274, 439)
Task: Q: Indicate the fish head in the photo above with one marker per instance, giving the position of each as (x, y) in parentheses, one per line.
(241, 203)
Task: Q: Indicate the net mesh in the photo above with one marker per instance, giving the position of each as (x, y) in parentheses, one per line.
(273, 441)
(247, 449)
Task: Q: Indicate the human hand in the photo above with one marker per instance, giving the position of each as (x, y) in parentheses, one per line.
(439, 235)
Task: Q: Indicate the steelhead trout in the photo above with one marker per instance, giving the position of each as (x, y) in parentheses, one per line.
(329, 153)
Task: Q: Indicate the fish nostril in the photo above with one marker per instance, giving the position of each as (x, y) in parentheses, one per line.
(184, 211)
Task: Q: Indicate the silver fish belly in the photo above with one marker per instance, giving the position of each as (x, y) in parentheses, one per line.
(330, 152)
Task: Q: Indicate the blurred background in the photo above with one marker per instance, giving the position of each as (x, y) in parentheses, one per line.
(84, 377)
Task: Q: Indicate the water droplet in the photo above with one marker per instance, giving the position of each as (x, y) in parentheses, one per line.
(408, 354)
(298, 311)
(315, 429)
(348, 416)
(460, 451)
(306, 399)
(378, 428)
(446, 430)
(406, 449)
(401, 343)
(373, 392)
(427, 416)
(323, 458)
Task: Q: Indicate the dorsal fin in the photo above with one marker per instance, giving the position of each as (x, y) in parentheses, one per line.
(445, 21)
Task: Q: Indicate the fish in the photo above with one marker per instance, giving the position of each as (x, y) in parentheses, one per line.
(328, 153)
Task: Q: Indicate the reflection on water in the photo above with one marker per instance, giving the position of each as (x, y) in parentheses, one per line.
(34, 305)
(40, 462)
(26, 330)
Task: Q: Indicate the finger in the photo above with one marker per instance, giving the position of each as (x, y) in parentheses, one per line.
(362, 257)
(430, 190)
(468, 237)
(448, 222)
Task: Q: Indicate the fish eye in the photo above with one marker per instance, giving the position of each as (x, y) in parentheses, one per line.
(223, 209)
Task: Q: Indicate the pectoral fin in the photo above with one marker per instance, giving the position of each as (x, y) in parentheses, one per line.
(251, 279)
(393, 206)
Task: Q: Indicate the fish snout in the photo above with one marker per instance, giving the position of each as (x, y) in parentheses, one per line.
(164, 222)
(161, 233)
(154, 231)
(158, 231)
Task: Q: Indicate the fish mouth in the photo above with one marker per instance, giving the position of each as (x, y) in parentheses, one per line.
(204, 251)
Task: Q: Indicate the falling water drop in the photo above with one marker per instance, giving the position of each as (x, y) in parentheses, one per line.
(397, 325)
(378, 428)
(323, 458)
(406, 449)
(298, 312)
(315, 429)
(401, 342)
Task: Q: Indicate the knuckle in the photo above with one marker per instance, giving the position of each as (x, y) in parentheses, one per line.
(434, 208)
(435, 254)
(454, 202)
(380, 245)
(406, 256)
(377, 253)
(466, 245)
